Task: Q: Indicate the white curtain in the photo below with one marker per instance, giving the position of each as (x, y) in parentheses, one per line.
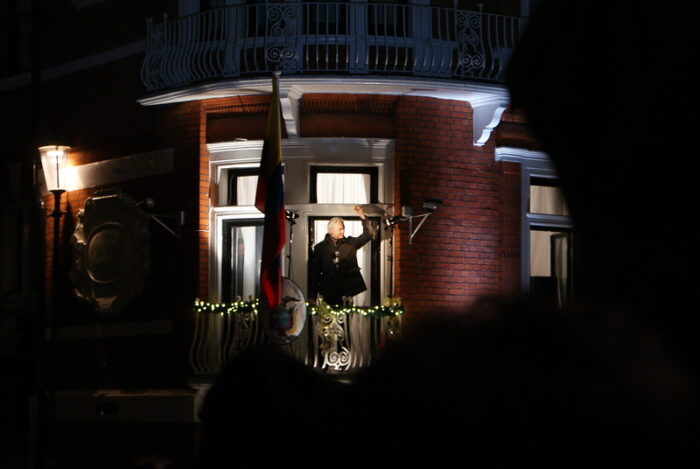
(342, 188)
(250, 274)
(540, 254)
(245, 189)
(548, 200)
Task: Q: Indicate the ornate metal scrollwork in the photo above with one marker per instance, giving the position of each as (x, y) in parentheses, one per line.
(282, 36)
(334, 340)
(331, 331)
(392, 326)
(469, 47)
(151, 71)
(245, 332)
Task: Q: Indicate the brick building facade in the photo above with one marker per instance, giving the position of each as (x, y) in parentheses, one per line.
(88, 93)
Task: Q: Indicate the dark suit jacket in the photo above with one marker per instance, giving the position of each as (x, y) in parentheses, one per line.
(332, 279)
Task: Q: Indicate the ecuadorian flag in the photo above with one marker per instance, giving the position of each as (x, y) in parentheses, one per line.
(269, 199)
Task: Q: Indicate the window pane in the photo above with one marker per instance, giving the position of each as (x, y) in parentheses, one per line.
(343, 188)
(550, 264)
(245, 190)
(540, 253)
(243, 261)
(547, 200)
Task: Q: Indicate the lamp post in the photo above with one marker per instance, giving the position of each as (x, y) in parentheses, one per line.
(54, 159)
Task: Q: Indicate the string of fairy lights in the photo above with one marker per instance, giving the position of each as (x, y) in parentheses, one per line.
(391, 308)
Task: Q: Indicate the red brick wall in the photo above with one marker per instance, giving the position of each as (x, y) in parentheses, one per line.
(455, 257)
(347, 115)
(243, 117)
(510, 247)
(514, 131)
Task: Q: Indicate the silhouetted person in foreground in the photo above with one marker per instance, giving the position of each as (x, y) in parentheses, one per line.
(515, 380)
(610, 95)
(512, 380)
(267, 409)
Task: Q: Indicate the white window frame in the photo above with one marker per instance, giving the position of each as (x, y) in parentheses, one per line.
(298, 156)
(533, 164)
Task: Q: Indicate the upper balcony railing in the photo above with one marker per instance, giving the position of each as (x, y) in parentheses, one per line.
(328, 38)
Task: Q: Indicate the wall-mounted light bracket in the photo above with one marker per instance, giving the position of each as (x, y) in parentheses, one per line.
(429, 204)
(178, 217)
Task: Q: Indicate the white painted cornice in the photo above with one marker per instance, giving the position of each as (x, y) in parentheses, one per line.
(487, 113)
(488, 101)
(534, 160)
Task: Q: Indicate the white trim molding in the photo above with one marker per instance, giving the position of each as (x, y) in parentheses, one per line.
(487, 101)
(532, 164)
(528, 158)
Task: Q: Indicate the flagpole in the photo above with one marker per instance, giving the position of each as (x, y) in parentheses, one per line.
(269, 199)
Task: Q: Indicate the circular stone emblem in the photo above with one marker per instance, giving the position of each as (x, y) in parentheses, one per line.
(111, 249)
(108, 253)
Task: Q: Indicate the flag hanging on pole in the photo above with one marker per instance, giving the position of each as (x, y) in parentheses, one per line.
(269, 199)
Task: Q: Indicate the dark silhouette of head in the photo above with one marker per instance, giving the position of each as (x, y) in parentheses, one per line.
(514, 379)
(268, 409)
(609, 94)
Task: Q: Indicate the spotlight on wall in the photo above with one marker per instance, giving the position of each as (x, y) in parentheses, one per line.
(429, 205)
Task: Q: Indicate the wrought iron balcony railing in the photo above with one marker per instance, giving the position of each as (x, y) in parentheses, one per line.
(331, 340)
(328, 38)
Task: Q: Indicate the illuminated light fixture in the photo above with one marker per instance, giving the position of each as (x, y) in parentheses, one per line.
(54, 160)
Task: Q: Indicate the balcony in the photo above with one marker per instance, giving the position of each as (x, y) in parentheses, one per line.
(328, 38)
(333, 340)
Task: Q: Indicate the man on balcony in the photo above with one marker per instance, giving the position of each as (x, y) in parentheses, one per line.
(334, 272)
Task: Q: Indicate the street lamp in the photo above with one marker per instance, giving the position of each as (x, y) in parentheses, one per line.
(54, 159)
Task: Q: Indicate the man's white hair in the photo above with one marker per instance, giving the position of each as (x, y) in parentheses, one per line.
(335, 221)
